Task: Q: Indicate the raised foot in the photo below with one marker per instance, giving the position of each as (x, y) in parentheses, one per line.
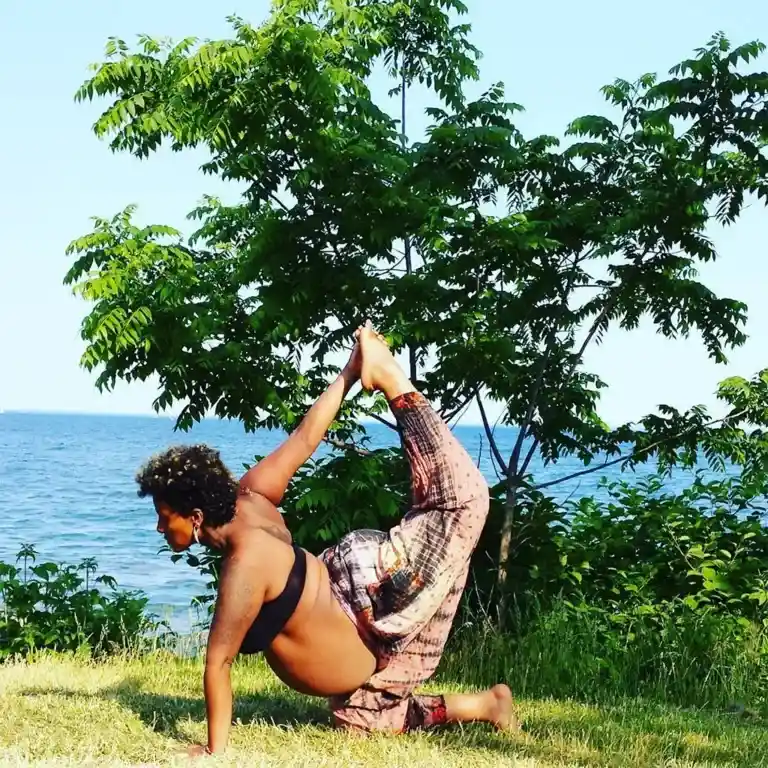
(502, 710)
(379, 368)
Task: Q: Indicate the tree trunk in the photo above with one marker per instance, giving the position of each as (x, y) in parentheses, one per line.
(413, 369)
(505, 547)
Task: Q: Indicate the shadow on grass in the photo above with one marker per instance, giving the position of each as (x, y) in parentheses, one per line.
(163, 713)
(279, 709)
(627, 735)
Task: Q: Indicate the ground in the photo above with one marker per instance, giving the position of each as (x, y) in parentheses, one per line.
(68, 711)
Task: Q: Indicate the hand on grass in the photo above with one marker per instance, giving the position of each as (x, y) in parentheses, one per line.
(198, 750)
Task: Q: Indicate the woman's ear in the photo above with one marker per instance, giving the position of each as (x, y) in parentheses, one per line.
(197, 518)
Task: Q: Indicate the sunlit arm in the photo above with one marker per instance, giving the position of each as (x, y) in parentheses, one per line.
(217, 684)
(271, 476)
(239, 601)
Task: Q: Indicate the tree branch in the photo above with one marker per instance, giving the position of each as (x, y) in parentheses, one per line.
(380, 272)
(592, 331)
(279, 202)
(528, 458)
(233, 149)
(525, 426)
(491, 439)
(336, 443)
(521, 435)
(634, 454)
(459, 414)
(452, 414)
(381, 419)
(513, 473)
(412, 361)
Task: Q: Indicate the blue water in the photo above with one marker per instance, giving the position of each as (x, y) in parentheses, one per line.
(67, 487)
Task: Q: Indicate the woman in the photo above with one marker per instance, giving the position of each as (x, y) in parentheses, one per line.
(364, 623)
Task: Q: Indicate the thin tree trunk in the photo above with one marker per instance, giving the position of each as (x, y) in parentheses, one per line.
(491, 439)
(413, 369)
(515, 473)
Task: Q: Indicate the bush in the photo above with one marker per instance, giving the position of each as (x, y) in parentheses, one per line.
(676, 655)
(59, 607)
(642, 593)
(637, 551)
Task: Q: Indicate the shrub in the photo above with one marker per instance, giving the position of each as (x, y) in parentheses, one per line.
(61, 608)
(636, 550)
(675, 655)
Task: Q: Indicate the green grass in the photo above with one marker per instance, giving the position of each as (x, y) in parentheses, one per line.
(57, 710)
(706, 661)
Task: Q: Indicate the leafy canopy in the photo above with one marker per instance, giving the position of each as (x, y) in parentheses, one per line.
(494, 258)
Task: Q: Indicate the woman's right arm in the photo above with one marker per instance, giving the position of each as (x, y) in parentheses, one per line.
(241, 595)
(271, 476)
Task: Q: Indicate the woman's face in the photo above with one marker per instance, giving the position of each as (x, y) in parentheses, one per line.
(176, 528)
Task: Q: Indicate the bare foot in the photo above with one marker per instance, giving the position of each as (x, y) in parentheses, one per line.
(502, 711)
(492, 706)
(379, 368)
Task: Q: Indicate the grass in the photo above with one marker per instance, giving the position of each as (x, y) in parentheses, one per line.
(68, 710)
(704, 660)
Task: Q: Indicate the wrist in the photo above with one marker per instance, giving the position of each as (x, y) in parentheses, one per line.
(348, 377)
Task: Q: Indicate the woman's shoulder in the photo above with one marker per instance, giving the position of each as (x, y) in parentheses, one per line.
(261, 514)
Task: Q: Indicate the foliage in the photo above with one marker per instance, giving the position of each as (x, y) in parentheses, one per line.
(208, 563)
(60, 607)
(494, 258)
(634, 549)
(707, 546)
(635, 591)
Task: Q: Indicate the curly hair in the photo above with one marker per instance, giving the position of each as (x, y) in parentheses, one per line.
(189, 477)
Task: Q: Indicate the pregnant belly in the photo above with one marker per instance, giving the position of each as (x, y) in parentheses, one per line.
(325, 658)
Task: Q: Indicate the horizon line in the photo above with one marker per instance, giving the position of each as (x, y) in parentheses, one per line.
(171, 416)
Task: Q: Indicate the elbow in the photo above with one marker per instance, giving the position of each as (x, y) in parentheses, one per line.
(218, 665)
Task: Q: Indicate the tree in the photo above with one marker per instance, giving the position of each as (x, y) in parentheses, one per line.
(496, 259)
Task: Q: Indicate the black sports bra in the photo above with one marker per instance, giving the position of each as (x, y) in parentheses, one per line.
(274, 614)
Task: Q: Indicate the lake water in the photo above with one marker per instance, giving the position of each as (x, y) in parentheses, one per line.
(67, 487)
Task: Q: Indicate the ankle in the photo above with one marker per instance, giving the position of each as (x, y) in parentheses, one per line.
(395, 385)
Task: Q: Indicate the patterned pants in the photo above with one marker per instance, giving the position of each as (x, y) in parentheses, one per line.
(402, 588)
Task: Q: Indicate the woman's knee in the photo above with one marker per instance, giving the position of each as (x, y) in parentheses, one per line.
(363, 721)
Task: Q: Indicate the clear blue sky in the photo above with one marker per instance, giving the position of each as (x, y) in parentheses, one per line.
(553, 56)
